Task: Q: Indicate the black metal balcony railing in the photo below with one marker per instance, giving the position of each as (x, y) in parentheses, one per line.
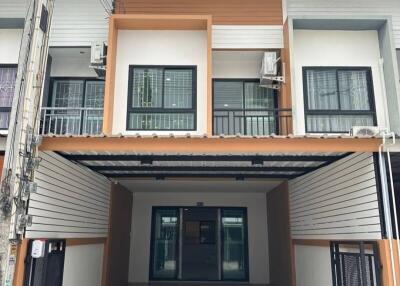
(252, 121)
(74, 121)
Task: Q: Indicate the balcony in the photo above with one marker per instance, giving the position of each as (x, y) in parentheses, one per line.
(74, 121)
(253, 122)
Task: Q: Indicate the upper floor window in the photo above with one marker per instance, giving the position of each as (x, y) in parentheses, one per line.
(75, 106)
(242, 106)
(8, 75)
(336, 99)
(162, 98)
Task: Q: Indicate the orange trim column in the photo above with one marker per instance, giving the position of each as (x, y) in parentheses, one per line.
(110, 78)
(385, 259)
(20, 263)
(209, 77)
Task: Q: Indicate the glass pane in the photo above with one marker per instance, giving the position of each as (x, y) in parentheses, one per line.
(353, 88)
(260, 123)
(337, 123)
(4, 120)
(68, 93)
(234, 261)
(228, 94)
(322, 90)
(257, 97)
(165, 243)
(8, 76)
(161, 121)
(178, 88)
(94, 96)
(147, 87)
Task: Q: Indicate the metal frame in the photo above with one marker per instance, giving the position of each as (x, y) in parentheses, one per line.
(7, 109)
(256, 170)
(243, 81)
(337, 266)
(145, 110)
(219, 236)
(371, 97)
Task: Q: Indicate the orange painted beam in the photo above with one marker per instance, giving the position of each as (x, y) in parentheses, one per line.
(209, 145)
(385, 259)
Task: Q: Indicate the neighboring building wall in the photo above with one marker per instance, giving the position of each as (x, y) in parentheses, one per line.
(339, 201)
(236, 12)
(10, 41)
(257, 226)
(348, 8)
(71, 201)
(159, 48)
(71, 62)
(83, 265)
(237, 64)
(335, 48)
(313, 265)
(247, 37)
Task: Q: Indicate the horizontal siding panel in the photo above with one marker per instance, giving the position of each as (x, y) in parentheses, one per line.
(247, 37)
(78, 23)
(13, 8)
(71, 200)
(349, 8)
(338, 201)
(228, 12)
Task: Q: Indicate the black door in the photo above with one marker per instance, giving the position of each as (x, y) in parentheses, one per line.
(200, 244)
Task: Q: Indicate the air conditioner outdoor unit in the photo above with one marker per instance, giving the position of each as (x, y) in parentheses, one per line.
(269, 73)
(365, 131)
(98, 56)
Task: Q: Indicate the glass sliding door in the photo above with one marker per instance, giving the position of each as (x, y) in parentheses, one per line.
(165, 248)
(234, 244)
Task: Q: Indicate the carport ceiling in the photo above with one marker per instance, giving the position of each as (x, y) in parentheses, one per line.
(239, 166)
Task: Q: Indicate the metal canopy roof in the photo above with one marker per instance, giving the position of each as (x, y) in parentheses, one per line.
(239, 166)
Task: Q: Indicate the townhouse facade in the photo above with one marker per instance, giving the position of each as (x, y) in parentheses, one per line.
(215, 141)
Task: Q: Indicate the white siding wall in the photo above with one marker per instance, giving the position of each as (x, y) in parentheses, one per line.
(10, 41)
(71, 201)
(348, 8)
(338, 201)
(247, 37)
(83, 265)
(13, 8)
(256, 215)
(335, 48)
(313, 265)
(159, 48)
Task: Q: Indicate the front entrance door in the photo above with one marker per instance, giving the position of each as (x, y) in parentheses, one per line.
(200, 244)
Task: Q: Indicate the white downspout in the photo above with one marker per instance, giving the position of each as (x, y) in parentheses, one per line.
(386, 205)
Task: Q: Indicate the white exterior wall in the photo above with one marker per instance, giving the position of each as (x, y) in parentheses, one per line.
(348, 8)
(83, 265)
(335, 48)
(69, 62)
(10, 41)
(257, 227)
(338, 201)
(247, 37)
(13, 8)
(159, 48)
(313, 265)
(71, 201)
(237, 64)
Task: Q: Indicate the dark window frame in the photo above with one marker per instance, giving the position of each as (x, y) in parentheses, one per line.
(338, 112)
(144, 110)
(8, 109)
(53, 79)
(244, 109)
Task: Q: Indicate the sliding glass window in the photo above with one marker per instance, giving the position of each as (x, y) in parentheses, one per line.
(336, 99)
(162, 98)
(8, 74)
(242, 106)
